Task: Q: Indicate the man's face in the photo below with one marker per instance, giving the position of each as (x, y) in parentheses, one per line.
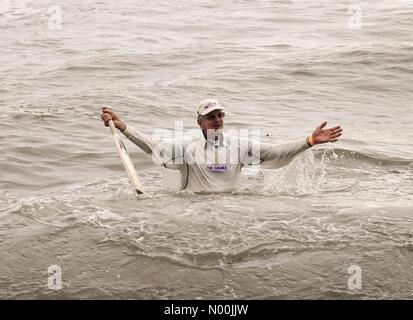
(212, 121)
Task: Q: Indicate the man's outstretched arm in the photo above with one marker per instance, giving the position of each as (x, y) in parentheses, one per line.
(168, 153)
(141, 140)
(276, 156)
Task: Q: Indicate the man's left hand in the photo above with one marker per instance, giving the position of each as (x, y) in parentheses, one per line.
(321, 135)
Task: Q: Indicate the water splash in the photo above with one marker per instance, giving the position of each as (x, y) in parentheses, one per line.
(305, 175)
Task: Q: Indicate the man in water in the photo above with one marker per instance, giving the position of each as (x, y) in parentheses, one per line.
(213, 161)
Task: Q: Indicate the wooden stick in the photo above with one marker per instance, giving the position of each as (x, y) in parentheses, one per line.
(127, 162)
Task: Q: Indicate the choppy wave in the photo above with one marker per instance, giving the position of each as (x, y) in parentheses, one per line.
(345, 155)
(283, 66)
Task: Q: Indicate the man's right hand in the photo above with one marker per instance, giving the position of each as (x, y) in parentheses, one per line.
(107, 115)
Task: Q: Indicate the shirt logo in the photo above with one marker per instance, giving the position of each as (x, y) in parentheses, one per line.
(217, 168)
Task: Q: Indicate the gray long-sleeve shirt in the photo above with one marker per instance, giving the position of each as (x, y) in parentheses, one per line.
(214, 166)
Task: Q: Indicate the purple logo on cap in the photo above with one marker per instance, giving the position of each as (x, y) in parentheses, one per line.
(210, 104)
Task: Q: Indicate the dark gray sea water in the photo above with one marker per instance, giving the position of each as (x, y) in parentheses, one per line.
(280, 66)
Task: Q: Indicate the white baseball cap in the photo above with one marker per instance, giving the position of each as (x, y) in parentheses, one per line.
(208, 105)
